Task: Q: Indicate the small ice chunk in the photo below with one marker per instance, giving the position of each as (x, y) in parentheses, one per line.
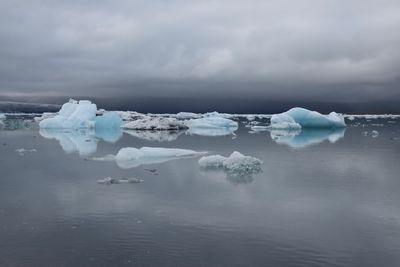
(110, 180)
(23, 151)
(238, 162)
(213, 161)
(304, 118)
(235, 163)
(2, 116)
(374, 134)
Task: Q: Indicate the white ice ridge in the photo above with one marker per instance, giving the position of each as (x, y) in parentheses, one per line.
(80, 115)
(213, 124)
(130, 157)
(297, 118)
(235, 163)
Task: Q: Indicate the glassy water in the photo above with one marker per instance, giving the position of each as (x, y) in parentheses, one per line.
(323, 198)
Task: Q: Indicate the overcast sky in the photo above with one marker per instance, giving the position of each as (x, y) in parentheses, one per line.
(279, 49)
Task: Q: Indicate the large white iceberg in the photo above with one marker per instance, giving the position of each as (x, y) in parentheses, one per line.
(211, 125)
(80, 115)
(297, 118)
(130, 157)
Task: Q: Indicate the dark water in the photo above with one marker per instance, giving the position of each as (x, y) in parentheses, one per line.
(321, 200)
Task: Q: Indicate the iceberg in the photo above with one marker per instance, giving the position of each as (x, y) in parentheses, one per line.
(297, 118)
(235, 163)
(130, 157)
(79, 115)
(306, 137)
(239, 169)
(211, 125)
(111, 180)
(23, 151)
(154, 123)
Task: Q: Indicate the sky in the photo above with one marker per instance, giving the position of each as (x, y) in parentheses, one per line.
(279, 51)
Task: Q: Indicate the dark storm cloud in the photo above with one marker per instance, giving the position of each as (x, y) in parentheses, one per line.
(328, 48)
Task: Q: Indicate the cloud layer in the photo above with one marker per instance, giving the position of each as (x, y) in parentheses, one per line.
(267, 48)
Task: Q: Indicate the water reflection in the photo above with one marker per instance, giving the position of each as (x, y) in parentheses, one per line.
(223, 131)
(245, 176)
(83, 141)
(160, 136)
(306, 137)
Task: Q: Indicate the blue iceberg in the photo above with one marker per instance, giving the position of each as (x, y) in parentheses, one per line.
(297, 118)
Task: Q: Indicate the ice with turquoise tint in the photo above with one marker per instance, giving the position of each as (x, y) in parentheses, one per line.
(109, 120)
(304, 118)
(81, 115)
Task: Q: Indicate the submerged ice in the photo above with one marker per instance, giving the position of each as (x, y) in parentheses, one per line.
(297, 118)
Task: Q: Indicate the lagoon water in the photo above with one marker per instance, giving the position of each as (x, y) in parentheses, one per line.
(324, 198)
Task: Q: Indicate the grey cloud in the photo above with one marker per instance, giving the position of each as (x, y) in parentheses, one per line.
(286, 47)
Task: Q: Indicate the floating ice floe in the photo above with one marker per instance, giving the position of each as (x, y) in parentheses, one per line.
(83, 141)
(239, 168)
(130, 157)
(306, 137)
(110, 180)
(80, 115)
(297, 118)
(373, 134)
(155, 123)
(23, 151)
(211, 125)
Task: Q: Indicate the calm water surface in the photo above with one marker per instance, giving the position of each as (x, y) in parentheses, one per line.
(323, 199)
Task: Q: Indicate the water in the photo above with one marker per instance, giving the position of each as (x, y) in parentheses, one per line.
(323, 199)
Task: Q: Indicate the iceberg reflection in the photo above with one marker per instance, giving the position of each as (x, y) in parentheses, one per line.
(306, 137)
(83, 141)
(160, 136)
